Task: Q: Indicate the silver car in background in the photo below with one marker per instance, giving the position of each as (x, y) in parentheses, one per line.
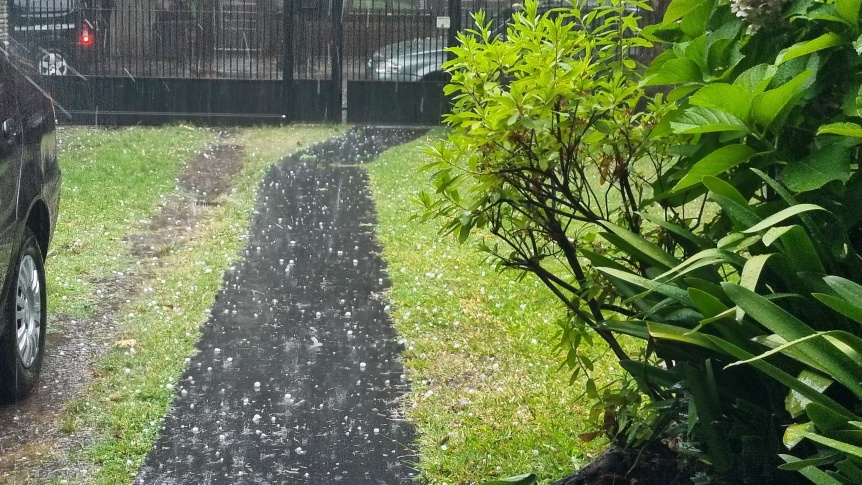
(422, 59)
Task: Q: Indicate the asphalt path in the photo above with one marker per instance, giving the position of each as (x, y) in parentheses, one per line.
(297, 377)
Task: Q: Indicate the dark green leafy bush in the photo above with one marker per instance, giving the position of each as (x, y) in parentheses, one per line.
(722, 231)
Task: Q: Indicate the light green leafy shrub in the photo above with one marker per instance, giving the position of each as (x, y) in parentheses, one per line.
(723, 231)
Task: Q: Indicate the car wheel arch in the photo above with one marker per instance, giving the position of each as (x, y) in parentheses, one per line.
(38, 220)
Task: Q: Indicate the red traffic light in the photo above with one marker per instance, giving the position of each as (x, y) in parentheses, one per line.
(86, 37)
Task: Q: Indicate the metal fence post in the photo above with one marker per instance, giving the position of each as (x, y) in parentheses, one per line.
(287, 60)
(337, 51)
(454, 25)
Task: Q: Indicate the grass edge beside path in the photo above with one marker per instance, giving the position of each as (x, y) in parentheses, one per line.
(487, 399)
(122, 408)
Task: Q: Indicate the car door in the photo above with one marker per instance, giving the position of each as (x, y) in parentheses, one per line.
(11, 154)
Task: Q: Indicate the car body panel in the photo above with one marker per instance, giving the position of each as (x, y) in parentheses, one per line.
(11, 155)
(30, 177)
(415, 58)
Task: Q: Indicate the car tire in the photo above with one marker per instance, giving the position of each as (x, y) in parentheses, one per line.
(22, 347)
(52, 62)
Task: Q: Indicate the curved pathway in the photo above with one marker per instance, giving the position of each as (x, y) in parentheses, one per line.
(297, 377)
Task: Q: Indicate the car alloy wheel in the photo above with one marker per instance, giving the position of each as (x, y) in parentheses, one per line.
(28, 311)
(52, 63)
(22, 345)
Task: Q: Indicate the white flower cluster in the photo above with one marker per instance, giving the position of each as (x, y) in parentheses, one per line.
(756, 13)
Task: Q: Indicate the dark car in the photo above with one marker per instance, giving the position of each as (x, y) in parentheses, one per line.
(59, 36)
(29, 195)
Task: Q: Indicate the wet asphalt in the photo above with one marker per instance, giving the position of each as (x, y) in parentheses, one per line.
(297, 376)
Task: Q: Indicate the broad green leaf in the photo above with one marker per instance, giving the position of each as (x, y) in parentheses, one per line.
(773, 341)
(526, 479)
(825, 419)
(709, 342)
(706, 120)
(818, 460)
(678, 334)
(675, 71)
(704, 392)
(825, 41)
(850, 470)
(639, 248)
(837, 338)
(650, 373)
(720, 187)
(734, 100)
(782, 323)
(706, 286)
(848, 10)
(766, 107)
(783, 348)
(835, 444)
(756, 79)
(849, 436)
(682, 91)
(737, 242)
(797, 385)
(741, 215)
(752, 269)
(625, 289)
(797, 247)
(845, 288)
(831, 162)
(707, 257)
(635, 328)
(840, 305)
(813, 229)
(750, 276)
(671, 291)
(852, 105)
(775, 233)
(716, 163)
(846, 343)
(708, 305)
(845, 129)
(723, 50)
(793, 434)
(781, 216)
(796, 403)
(694, 23)
(679, 8)
(676, 229)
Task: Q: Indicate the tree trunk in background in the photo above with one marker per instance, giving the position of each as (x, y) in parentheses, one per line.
(654, 17)
(646, 56)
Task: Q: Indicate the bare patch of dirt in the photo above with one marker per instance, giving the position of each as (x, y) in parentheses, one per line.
(31, 434)
(203, 181)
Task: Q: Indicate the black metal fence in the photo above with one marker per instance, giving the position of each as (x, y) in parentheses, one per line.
(243, 60)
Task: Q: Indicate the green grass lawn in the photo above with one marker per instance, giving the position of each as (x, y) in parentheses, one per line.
(113, 181)
(488, 399)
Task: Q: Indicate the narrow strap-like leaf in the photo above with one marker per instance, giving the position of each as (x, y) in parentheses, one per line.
(844, 369)
(781, 216)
